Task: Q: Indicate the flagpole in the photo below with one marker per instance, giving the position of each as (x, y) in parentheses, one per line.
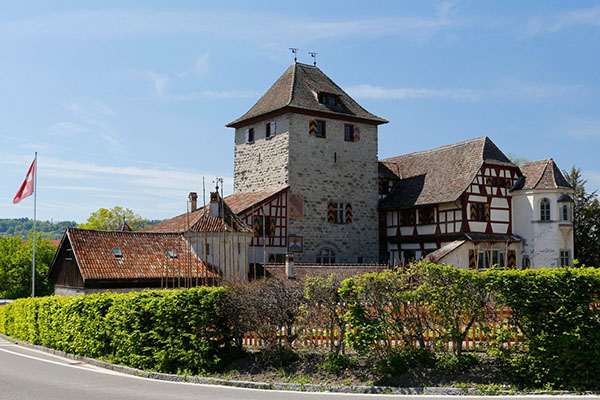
(34, 223)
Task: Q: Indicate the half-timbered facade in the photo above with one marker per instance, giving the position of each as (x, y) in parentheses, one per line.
(453, 193)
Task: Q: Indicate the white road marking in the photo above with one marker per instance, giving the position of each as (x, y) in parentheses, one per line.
(109, 372)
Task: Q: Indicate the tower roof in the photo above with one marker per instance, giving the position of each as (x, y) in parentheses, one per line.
(298, 90)
(541, 174)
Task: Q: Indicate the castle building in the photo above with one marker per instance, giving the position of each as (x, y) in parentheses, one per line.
(307, 180)
(306, 133)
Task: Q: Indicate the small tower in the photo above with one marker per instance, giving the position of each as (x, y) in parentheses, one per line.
(543, 217)
(306, 132)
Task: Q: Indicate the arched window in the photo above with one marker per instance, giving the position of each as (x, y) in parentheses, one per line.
(545, 210)
(326, 256)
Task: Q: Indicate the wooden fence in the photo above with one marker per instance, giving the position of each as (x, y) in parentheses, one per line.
(479, 337)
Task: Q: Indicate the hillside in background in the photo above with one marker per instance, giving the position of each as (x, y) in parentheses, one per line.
(22, 227)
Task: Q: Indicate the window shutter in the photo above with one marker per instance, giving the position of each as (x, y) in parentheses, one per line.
(472, 262)
(312, 128)
(272, 226)
(348, 213)
(330, 212)
(247, 135)
(487, 212)
(473, 213)
(512, 259)
(356, 136)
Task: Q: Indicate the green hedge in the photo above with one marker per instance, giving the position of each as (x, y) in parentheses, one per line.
(171, 331)
(558, 314)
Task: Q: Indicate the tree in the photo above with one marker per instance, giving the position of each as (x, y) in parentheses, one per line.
(111, 219)
(586, 220)
(518, 161)
(15, 267)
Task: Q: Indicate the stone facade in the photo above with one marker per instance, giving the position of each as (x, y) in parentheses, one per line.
(322, 170)
(263, 163)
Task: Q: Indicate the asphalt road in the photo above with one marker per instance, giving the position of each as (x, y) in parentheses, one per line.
(27, 374)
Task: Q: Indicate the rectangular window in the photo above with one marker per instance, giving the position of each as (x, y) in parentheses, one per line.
(484, 260)
(498, 258)
(320, 129)
(239, 248)
(259, 222)
(69, 254)
(339, 213)
(207, 249)
(479, 212)
(426, 216)
(349, 133)
(270, 129)
(407, 217)
(250, 135)
(565, 259)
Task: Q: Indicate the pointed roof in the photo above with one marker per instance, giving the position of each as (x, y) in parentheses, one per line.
(142, 255)
(124, 226)
(541, 174)
(440, 175)
(297, 90)
(200, 219)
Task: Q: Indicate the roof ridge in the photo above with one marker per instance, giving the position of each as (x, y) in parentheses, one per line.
(293, 84)
(444, 147)
(542, 174)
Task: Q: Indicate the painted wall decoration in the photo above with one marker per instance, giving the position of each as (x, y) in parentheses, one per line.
(295, 244)
(296, 205)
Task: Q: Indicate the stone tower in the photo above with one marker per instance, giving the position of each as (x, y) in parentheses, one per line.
(306, 132)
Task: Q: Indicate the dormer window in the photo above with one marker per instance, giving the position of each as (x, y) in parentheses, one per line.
(328, 99)
(172, 254)
(117, 252)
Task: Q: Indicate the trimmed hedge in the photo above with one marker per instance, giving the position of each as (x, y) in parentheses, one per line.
(557, 312)
(173, 331)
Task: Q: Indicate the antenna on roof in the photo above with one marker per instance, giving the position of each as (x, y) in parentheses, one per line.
(295, 51)
(314, 56)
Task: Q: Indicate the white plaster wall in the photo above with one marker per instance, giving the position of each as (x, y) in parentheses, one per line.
(543, 240)
(460, 256)
(233, 264)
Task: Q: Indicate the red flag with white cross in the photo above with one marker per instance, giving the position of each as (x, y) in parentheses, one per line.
(26, 188)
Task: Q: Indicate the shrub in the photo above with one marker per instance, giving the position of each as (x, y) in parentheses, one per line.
(169, 331)
(558, 315)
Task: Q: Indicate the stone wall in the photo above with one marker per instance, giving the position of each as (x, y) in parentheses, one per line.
(331, 169)
(263, 163)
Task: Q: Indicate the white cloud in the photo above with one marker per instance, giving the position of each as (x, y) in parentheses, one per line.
(367, 91)
(159, 82)
(94, 118)
(508, 91)
(115, 24)
(201, 65)
(579, 17)
(67, 129)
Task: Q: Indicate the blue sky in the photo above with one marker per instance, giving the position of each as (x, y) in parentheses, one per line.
(127, 103)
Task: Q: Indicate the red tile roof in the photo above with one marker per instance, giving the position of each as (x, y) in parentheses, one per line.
(144, 255)
(200, 221)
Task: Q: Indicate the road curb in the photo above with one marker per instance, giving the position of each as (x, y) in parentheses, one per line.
(299, 387)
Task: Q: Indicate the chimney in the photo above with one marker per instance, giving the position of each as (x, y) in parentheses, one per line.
(215, 207)
(193, 202)
(289, 266)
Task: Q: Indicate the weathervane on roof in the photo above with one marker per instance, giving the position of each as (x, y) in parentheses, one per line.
(295, 51)
(314, 56)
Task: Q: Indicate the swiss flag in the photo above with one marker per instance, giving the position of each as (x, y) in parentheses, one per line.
(26, 188)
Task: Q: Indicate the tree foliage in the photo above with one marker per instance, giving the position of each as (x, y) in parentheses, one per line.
(16, 263)
(110, 219)
(586, 220)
